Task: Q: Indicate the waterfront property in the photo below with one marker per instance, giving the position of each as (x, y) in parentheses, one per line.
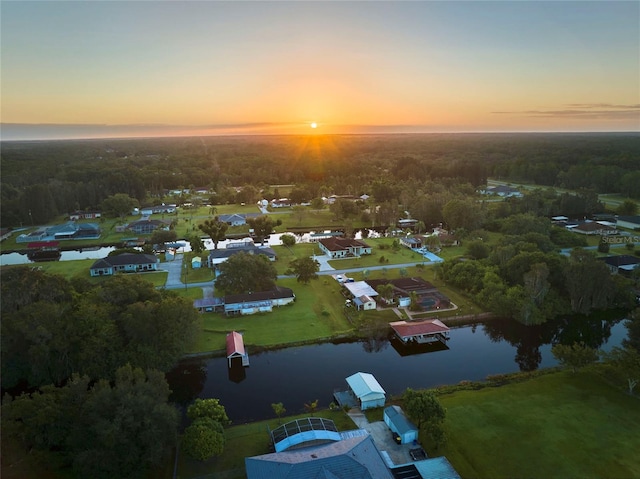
(218, 256)
(426, 294)
(124, 263)
(68, 231)
(348, 458)
(427, 331)
(247, 303)
(314, 448)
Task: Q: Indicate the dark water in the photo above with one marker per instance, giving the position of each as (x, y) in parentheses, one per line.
(296, 376)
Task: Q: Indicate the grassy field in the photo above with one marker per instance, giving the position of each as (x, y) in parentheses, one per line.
(558, 425)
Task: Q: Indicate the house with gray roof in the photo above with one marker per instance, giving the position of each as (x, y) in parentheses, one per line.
(218, 256)
(629, 222)
(351, 458)
(124, 263)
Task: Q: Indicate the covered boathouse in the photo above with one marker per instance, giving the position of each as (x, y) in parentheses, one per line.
(235, 348)
(427, 331)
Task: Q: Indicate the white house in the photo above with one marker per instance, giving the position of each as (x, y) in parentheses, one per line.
(336, 247)
(368, 391)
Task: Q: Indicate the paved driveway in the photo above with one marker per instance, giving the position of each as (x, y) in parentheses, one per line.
(381, 434)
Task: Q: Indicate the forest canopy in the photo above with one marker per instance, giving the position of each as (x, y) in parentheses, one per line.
(41, 180)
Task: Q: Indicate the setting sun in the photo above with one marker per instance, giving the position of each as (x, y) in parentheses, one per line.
(314, 125)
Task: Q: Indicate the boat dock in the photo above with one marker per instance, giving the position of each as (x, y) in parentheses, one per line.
(421, 332)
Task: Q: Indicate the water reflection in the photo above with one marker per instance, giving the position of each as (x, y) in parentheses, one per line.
(294, 375)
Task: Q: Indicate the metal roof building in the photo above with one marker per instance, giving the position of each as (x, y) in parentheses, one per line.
(367, 389)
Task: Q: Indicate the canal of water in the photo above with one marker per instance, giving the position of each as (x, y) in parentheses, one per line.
(299, 375)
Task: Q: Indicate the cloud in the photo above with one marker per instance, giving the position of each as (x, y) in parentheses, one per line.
(587, 111)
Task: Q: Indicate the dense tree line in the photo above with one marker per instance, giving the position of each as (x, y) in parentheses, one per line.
(92, 359)
(43, 179)
(52, 328)
(524, 277)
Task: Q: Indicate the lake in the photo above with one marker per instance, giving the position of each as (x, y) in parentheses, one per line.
(298, 375)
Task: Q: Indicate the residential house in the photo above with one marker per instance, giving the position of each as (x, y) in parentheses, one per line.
(629, 222)
(67, 231)
(280, 203)
(258, 302)
(237, 219)
(337, 247)
(407, 223)
(313, 448)
(124, 263)
(147, 226)
(362, 295)
(623, 263)
(413, 242)
(427, 295)
(84, 215)
(503, 191)
(594, 228)
(158, 209)
(218, 256)
(352, 457)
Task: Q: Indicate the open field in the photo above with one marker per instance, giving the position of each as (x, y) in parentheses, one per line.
(558, 425)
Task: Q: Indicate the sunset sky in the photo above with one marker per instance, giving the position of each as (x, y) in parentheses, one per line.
(145, 68)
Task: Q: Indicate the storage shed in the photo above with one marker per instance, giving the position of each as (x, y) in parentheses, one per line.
(396, 420)
(196, 262)
(367, 390)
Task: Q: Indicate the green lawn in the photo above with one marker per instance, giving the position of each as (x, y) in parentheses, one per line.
(316, 314)
(560, 425)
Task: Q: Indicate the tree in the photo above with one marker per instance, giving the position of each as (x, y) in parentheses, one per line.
(203, 439)
(386, 291)
(424, 408)
(245, 273)
(575, 356)
(262, 227)
(627, 208)
(465, 214)
(626, 362)
(118, 429)
(477, 249)
(311, 406)
(288, 240)
(305, 269)
(298, 212)
(162, 236)
(197, 246)
(118, 205)
(208, 408)
(278, 409)
(215, 229)
(317, 204)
